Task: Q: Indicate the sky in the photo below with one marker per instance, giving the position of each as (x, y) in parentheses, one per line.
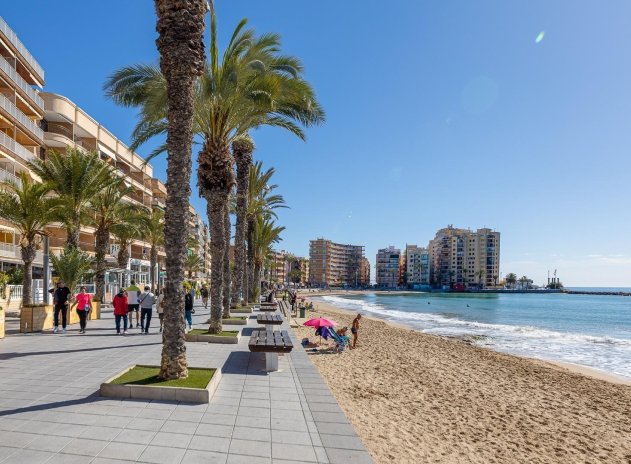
(438, 113)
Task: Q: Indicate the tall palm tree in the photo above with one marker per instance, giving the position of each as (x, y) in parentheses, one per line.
(153, 232)
(125, 233)
(180, 43)
(77, 178)
(110, 209)
(289, 259)
(266, 234)
(25, 204)
(226, 277)
(251, 85)
(481, 273)
(261, 202)
(511, 278)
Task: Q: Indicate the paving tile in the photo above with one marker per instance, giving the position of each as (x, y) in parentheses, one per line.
(6, 451)
(48, 443)
(62, 458)
(145, 424)
(241, 459)
(141, 437)
(29, 456)
(214, 430)
(205, 443)
(179, 427)
(186, 416)
(222, 409)
(251, 448)
(254, 412)
(286, 424)
(296, 452)
(252, 433)
(291, 437)
(203, 457)
(174, 440)
(96, 432)
(342, 441)
(336, 417)
(152, 413)
(258, 422)
(335, 429)
(321, 455)
(162, 455)
(84, 446)
(122, 451)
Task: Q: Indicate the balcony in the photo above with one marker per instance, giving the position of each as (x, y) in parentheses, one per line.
(22, 50)
(14, 147)
(8, 250)
(29, 91)
(8, 106)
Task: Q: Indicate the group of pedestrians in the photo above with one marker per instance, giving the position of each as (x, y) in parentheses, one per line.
(131, 300)
(61, 303)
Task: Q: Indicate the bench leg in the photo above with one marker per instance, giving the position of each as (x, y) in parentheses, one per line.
(271, 362)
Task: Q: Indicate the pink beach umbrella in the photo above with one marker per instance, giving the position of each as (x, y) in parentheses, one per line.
(319, 322)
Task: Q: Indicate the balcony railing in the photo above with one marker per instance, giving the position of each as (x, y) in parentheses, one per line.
(22, 50)
(13, 110)
(15, 147)
(21, 83)
(8, 250)
(59, 129)
(6, 175)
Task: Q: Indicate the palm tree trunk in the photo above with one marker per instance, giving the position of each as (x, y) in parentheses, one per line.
(242, 152)
(153, 256)
(226, 261)
(217, 246)
(72, 233)
(252, 291)
(123, 254)
(28, 256)
(181, 27)
(256, 287)
(102, 242)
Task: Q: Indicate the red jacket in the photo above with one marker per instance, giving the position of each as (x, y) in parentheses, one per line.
(120, 304)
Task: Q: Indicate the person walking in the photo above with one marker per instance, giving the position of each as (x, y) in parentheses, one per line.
(204, 292)
(84, 304)
(146, 302)
(60, 302)
(160, 306)
(120, 310)
(133, 293)
(188, 308)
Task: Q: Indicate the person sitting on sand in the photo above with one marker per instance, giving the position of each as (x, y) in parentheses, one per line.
(355, 329)
(342, 332)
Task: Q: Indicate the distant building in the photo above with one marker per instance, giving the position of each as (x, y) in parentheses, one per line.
(388, 267)
(463, 258)
(417, 267)
(336, 265)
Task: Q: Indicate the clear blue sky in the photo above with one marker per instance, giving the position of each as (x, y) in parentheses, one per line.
(438, 113)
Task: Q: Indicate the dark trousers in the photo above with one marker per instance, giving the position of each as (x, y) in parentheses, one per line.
(145, 312)
(83, 316)
(118, 318)
(64, 311)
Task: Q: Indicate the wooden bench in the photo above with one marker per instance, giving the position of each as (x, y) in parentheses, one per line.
(269, 319)
(270, 342)
(268, 307)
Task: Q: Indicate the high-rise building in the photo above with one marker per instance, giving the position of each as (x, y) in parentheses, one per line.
(388, 267)
(334, 264)
(463, 258)
(417, 267)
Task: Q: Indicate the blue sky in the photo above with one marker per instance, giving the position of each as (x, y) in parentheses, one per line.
(438, 113)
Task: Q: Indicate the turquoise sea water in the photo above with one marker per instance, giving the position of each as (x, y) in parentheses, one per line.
(590, 330)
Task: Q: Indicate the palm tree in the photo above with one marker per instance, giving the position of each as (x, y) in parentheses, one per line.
(25, 204)
(77, 178)
(153, 232)
(125, 233)
(524, 281)
(72, 266)
(110, 210)
(480, 273)
(266, 233)
(290, 259)
(511, 279)
(226, 278)
(251, 85)
(261, 202)
(193, 263)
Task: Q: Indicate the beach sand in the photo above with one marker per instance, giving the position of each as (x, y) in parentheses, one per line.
(416, 398)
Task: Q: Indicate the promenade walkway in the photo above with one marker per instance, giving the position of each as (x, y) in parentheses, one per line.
(50, 411)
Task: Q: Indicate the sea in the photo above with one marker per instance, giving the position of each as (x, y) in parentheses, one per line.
(588, 330)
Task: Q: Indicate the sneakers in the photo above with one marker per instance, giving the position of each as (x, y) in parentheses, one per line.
(55, 330)
(63, 330)
(125, 332)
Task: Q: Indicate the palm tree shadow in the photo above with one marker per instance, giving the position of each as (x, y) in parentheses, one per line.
(7, 356)
(93, 398)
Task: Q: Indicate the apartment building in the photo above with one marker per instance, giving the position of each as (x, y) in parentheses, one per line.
(417, 267)
(200, 245)
(21, 138)
(388, 267)
(334, 264)
(463, 258)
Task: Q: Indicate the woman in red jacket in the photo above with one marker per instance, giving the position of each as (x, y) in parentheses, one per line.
(120, 311)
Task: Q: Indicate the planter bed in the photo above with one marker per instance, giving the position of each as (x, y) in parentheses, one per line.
(141, 382)
(202, 335)
(242, 310)
(235, 320)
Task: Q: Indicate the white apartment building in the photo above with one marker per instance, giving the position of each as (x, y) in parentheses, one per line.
(417, 266)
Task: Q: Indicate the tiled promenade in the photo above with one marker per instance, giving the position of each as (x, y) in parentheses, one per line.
(50, 411)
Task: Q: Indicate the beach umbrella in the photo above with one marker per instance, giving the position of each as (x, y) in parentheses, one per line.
(318, 323)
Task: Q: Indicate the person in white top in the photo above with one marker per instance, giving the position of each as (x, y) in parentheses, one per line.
(146, 300)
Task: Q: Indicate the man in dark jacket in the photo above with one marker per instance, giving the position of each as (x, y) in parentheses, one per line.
(188, 308)
(60, 302)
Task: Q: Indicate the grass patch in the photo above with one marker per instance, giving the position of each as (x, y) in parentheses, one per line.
(236, 317)
(148, 375)
(225, 333)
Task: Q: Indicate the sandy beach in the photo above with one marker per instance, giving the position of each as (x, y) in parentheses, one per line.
(414, 398)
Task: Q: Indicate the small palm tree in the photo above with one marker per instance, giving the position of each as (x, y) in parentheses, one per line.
(266, 234)
(126, 233)
(480, 273)
(72, 266)
(77, 178)
(110, 210)
(511, 279)
(27, 206)
(153, 232)
(193, 264)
